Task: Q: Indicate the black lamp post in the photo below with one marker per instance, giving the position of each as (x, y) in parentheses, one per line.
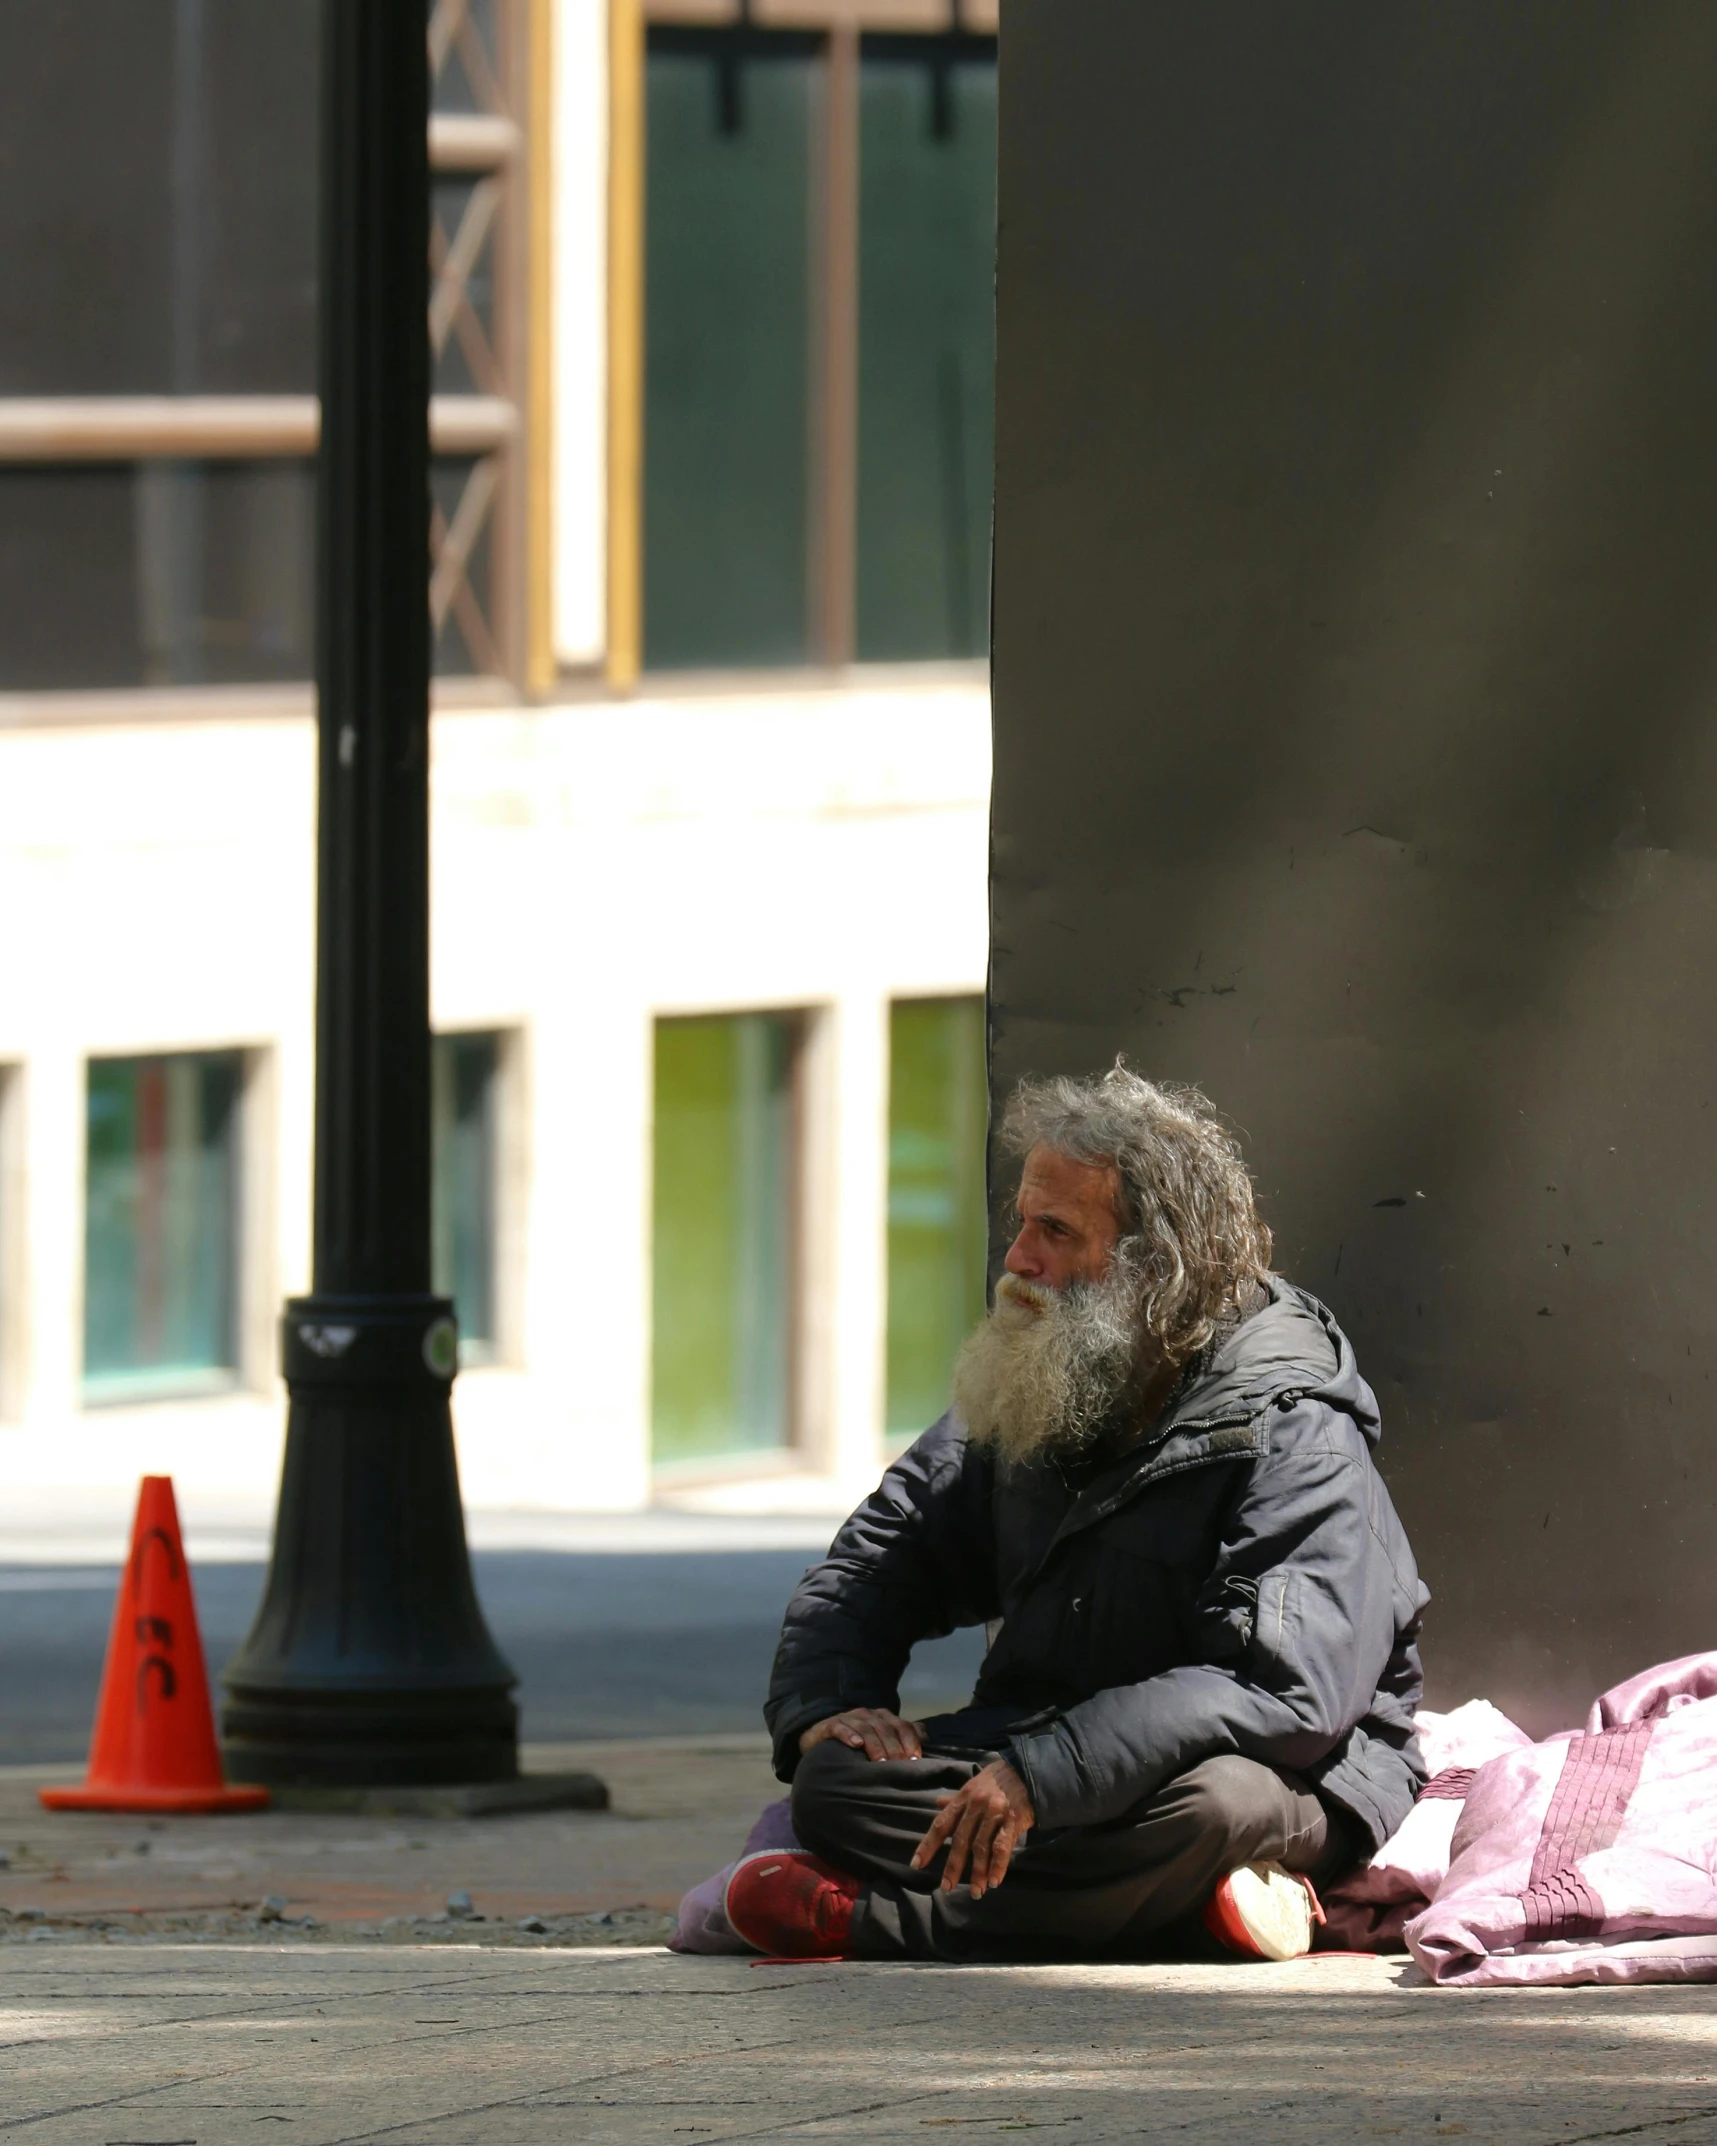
(369, 1662)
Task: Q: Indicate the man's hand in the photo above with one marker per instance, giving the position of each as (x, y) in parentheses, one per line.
(870, 1729)
(982, 1824)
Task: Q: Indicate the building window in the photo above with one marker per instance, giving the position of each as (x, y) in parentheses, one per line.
(477, 306)
(937, 1219)
(161, 1225)
(727, 311)
(723, 1236)
(158, 217)
(818, 334)
(465, 1102)
(155, 573)
(462, 589)
(157, 342)
(927, 211)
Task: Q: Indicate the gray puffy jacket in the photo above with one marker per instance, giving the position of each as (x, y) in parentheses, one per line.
(1237, 1583)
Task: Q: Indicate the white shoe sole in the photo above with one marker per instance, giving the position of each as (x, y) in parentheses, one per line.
(1275, 1908)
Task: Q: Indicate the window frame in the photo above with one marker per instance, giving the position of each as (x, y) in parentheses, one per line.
(966, 28)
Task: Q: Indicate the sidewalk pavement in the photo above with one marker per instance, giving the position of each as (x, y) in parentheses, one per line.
(680, 1807)
(331, 2045)
(145, 2002)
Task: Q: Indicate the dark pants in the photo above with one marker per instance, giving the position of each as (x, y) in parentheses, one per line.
(1076, 1892)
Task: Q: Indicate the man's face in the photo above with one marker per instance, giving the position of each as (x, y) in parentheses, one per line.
(1048, 1367)
(1068, 1224)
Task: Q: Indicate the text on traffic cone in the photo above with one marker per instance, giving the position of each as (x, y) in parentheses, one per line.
(154, 1745)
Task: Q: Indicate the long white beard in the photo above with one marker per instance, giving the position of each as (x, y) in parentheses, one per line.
(1045, 1369)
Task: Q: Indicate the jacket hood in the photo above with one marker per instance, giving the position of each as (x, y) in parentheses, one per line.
(1290, 1346)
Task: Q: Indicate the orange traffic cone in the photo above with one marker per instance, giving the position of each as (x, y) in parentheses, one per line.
(154, 1746)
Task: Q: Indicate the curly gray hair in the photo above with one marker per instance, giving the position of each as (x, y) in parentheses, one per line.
(1191, 1231)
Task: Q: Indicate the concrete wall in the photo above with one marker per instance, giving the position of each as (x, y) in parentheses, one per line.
(1356, 702)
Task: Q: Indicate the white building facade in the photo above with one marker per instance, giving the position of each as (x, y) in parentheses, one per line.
(708, 835)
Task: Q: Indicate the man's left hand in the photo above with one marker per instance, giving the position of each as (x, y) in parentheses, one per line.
(982, 1825)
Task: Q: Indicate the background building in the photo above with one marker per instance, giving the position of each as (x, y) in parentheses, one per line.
(712, 318)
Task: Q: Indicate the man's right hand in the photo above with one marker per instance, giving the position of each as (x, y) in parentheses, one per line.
(870, 1729)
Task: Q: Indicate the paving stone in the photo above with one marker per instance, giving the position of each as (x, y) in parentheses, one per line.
(483, 2047)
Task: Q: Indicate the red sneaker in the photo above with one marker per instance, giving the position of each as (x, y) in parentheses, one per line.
(792, 1904)
(1264, 1912)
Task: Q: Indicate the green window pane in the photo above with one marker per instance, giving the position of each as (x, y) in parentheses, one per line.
(464, 1092)
(927, 194)
(722, 1236)
(160, 1225)
(938, 1227)
(727, 309)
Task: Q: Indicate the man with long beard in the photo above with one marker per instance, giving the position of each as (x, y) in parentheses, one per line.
(1155, 1487)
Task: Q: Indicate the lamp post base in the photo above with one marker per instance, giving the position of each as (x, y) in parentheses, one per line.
(369, 1664)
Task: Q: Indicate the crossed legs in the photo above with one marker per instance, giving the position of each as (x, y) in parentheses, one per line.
(1077, 1891)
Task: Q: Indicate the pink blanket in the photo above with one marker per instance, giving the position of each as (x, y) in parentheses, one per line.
(1589, 1857)
(1369, 1911)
